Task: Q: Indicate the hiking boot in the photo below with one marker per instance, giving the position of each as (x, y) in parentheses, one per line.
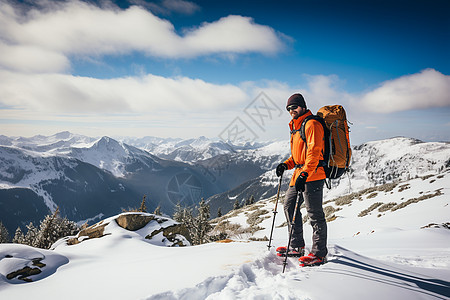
(311, 260)
(298, 251)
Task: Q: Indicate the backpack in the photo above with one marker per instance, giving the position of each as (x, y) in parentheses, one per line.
(337, 152)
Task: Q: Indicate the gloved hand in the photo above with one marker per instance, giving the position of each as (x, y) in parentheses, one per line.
(300, 182)
(281, 168)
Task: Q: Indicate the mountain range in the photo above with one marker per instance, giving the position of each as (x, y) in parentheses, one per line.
(91, 178)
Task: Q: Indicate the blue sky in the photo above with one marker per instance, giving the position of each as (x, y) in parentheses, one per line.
(174, 68)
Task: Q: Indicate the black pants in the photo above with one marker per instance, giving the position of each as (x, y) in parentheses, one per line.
(312, 196)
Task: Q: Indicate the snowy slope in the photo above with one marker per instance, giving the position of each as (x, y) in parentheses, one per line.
(372, 164)
(401, 253)
(114, 156)
(189, 150)
(104, 153)
(55, 144)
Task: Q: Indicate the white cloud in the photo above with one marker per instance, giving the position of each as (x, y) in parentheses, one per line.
(32, 59)
(180, 106)
(60, 93)
(232, 34)
(325, 90)
(427, 89)
(78, 28)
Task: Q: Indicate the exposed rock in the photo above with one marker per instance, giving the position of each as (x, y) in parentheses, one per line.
(135, 222)
(172, 232)
(24, 274)
(91, 232)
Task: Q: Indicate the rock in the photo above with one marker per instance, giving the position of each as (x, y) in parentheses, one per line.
(135, 222)
(24, 273)
(174, 234)
(94, 231)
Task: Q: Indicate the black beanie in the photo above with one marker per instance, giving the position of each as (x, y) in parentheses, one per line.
(296, 99)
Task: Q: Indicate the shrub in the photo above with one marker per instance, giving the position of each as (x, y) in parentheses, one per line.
(255, 217)
(415, 200)
(372, 195)
(386, 206)
(369, 209)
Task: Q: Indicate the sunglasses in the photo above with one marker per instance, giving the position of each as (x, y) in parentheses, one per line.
(292, 107)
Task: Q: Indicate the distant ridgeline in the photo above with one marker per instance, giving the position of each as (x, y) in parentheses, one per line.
(88, 178)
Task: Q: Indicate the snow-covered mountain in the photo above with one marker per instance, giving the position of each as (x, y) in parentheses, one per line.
(372, 164)
(91, 177)
(387, 242)
(34, 183)
(189, 150)
(70, 171)
(59, 143)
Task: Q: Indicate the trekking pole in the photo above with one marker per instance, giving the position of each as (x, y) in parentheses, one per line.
(275, 212)
(290, 232)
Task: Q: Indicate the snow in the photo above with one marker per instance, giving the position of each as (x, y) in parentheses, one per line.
(401, 254)
(396, 254)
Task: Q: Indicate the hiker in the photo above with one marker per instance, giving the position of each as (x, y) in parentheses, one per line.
(306, 184)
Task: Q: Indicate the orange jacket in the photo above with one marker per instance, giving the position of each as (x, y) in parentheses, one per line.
(307, 156)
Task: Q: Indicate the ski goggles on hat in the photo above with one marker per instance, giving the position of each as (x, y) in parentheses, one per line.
(291, 107)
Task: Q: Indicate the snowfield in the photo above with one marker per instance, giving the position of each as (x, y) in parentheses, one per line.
(395, 253)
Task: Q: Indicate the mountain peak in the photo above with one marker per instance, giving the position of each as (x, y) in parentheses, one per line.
(63, 135)
(109, 144)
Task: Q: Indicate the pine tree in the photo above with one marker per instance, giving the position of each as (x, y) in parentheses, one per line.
(178, 213)
(51, 229)
(19, 237)
(198, 226)
(157, 211)
(30, 237)
(143, 207)
(4, 234)
(202, 222)
(236, 205)
(219, 212)
(47, 231)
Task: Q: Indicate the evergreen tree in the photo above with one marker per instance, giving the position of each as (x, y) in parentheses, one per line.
(143, 207)
(30, 237)
(47, 231)
(178, 213)
(250, 200)
(19, 237)
(157, 211)
(219, 212)
(4, 234)
(202, 222)
(198, 226)
(236, 204)
(51, 229)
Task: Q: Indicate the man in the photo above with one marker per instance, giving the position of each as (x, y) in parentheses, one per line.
(306, 184)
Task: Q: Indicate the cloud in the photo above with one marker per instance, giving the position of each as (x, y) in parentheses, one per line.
(61, 93)
(325, 90)
(74, 28)
(24, 58)
(180, 6)
(167, 7)
(232, 34)
(427, 89)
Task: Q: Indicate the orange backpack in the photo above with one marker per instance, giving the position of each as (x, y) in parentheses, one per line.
(337, 152)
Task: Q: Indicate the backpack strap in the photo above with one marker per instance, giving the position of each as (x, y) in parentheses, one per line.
(326, 135)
